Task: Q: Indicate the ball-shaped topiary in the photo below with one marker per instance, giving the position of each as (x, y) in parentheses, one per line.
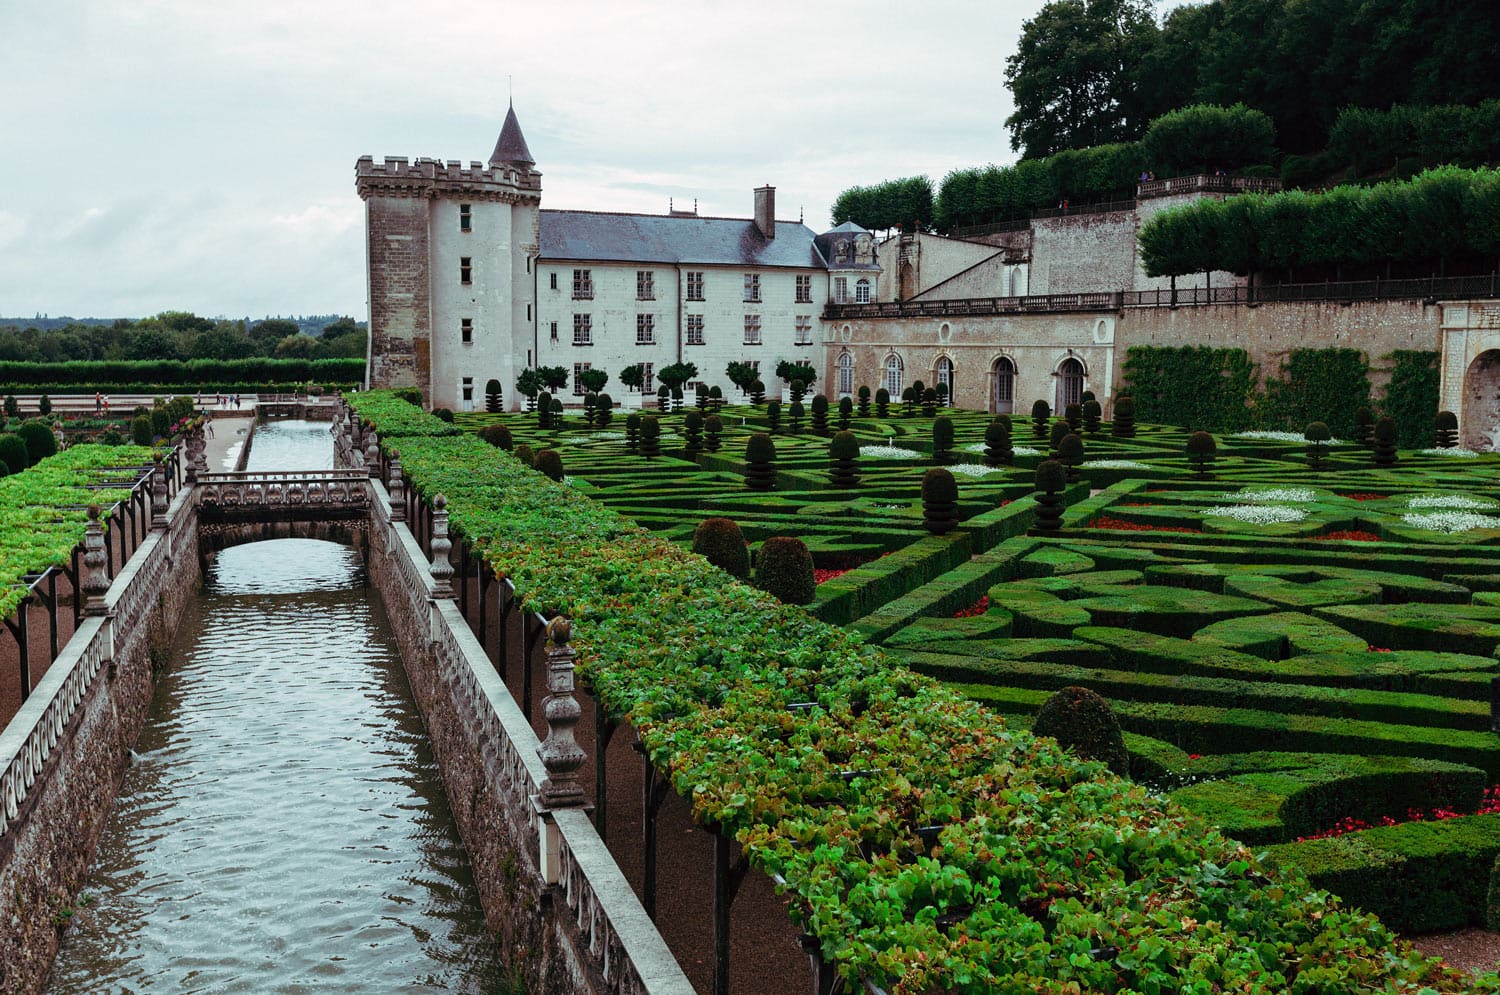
(1041, 413)
(140, 430)
(13, 454)
(1123, 426)
(549, 462)
(722, 543)
(942, 439)
(1070, 454)
(1201, 449)
(882, 403)
(1317, 435)
(1051, 480)
(798, 389)
(497, 436)
(40, 442)
(715, 397)
(650, 436)
(843, 458)
(819, 415)
(784, 569)
(1083, 722)
(998, 450)
(1446, 425)
(713, 433)
(1385, 441)
(1092, 413)
(604, 410)
(525, 454)
(760, 462)
(939, 501)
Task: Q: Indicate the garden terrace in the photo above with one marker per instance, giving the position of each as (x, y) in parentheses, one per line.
(924, 842)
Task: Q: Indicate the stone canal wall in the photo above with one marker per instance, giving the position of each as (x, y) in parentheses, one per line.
(64, 754)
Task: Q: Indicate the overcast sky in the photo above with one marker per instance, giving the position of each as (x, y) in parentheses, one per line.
(195, 155)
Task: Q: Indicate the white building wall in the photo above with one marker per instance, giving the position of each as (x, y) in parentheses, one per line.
(488, 300)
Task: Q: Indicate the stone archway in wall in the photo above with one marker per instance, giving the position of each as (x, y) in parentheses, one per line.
(1481, 402)
(1469, 370)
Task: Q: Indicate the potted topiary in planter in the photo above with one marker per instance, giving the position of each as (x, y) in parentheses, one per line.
(998, 450)
(1317, 435)
(1385, 441)
(1123, 427)
(1041, 414)
(1051, 481)
(939, 501)
(650, 436)
(1201, 450)
(843, 458)
(721, 542)
(760, 463)
(1446, 424)
(784, 570)
(1070, 454)
(942, 439)
(713, 433)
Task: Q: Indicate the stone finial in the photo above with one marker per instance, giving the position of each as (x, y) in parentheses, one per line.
(159, 495)
(94, 585)
(560, 752)
(196, 463)
(397, 489)
(372, 453)
(442, 570)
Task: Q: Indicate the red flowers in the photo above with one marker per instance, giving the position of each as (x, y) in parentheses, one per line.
(819, 576)
(1362, 496)
(977, 608)
(1121, 525)
(1489, 806)
(1354, 535)
(1376, 649)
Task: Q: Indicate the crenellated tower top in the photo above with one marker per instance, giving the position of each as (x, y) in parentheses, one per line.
(397, 176)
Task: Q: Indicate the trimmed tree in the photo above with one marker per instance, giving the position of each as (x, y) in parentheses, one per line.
(882, 403)
(1051, 481)
(1083, 722)
(784, 570)
(1041, 415)
(908, 399)
(1364, 426)
(592, 380)
(1092, 413)
(819, 415)
(864, 402)
(843, 458)
(543, 410)
(493, 400)
(760, 462)
(713, 433)
(13, 455)
(1317, 435)
(650, 436)
(549, 462)
(692, 434)
(1123, 426)
(1446, 430)
(1385, 441)
(1073, 414)
(846, 413)
(1201, 450)
(773, 415)
(939, 501)
(1071, 455)
(942, 439)
(604, 410)
(998, 450)
(633, 432)
(798, 390)
(720, 541)
(794, 417)
(757, 392)
(498, 436)
(929, 402)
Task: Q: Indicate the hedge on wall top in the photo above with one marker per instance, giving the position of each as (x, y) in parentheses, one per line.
(195, 371)
(1204, 138)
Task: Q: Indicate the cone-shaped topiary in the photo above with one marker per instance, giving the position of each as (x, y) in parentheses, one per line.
(882, 403)
(692, 434)
(929, 402)
(650, 436)
(1073, 415)
(784, 569)
(819, 415)
(1041, 414)
(1083, 722)
(773, 415)
(1201, 449)
(713, 433)
(604, 410)
(543, 410)
(794, 417)
(1070, 454)
(721, 542)
(1364, 426)
(846, 413)
(633, 432)
(760, 462)
(942, 439)
(939, 501)
(864, 402)
(1385, 441)
(757, 392)
(493, 401)
(1317, 435)
(1446, 424)
(497, 436)
(998, 450)
(549, 462)
(1092, 412)
(1123, 427)
(1051, 480)
(843, 457)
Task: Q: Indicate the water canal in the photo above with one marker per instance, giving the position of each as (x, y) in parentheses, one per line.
(283, 827)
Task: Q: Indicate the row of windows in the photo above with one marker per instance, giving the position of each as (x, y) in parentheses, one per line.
(645, 286)
(1070, 374)
(645, 329)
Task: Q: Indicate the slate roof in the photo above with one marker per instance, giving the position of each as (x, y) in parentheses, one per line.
(598, 236)
(511, 148)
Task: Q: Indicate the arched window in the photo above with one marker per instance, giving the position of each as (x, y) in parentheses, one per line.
(893, 377)
(862, 291)
(1005, 386)
(1017, 288)
(1069, 383)
(943, 374)
(846, 375)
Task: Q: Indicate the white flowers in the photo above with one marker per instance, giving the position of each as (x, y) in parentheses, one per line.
(603, 436)
(888, 452)
(1025, 451)
(1259, 514)
(971, 469)
(1456, 452)
(1451, 521)
(1272, 495)
(1457, 501)
(1282, 437)
(1114, 464)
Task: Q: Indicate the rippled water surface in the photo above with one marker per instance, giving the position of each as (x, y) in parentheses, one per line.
(283, 828)
(291, 445)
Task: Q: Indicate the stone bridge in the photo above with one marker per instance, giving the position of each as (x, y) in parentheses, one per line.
(236, 508)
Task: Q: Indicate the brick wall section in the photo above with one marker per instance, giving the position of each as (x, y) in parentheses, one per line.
(400, 304)
(1083, 253)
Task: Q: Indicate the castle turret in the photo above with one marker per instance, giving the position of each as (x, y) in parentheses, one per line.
(511, 149)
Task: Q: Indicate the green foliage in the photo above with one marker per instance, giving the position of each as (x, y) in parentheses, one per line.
(784, 570)
(1190, 386)
(760, 462)
(1411, 396)
(179, 373)
(791, 371)
(942, 437)
(674, 375)
(997, 193)
(722, 543)
(13, 454)
(549, 462)
(40, 442)
(845, 446)
(905, 204)
(444, 414)
(1325, 385)
(1492, 898)
(1203, 138)
(498, 436)
(998, 450)
(140, 430)
(1083, 722)
(939, 501)
(593, 380)
(1367, 140)
(1051, 477)
(633, 376)
(742, 375)
(12, 406)
(882, 402)
(650, 436)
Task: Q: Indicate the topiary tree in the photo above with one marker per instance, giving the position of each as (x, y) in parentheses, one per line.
(549, 462)
(1073, 415)
(757, 392)
(1070, 454)
(692, 434)
(908, 399)
(13, 455)
(497, 436)
(882, 403)
(998, 450)
(39, 438)
(650, 436)
(12, 406)
(494, 402)
(700, 397)
(1385, 441)
(742, 375)
(664, 399)
(525, 455)
(543, 409)
(819, 415)
(942, 439)
(604, 410)
(590, 409)
(633, 376)
(760, 463)
(864, 402)
(843, 457)
(716, 397)
(939, 501)
(713, 433)
(1123, 427)
(1083, 722)
(784, 570)
(44, 405)
(1055, 435)
(773, 415)
(846, 413)
(528, 382)
(942, 395)
(592, 380)
(1086, 397)
(790, 371)
(1051, 481)
(1041, 414)
(1317, 435)
(1364, 425)
(721, 542)
(929, 402)
(1092, 413)
(798, 390)
(1446, 425)
(556, 420)
(633, 432)
(676, 400)
(140, 430)
(794, 417)
(1201, 450)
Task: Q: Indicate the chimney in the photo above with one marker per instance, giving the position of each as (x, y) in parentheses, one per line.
(765, 210)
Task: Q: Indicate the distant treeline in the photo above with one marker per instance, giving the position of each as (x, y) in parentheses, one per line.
(149, 375)
(182, 336)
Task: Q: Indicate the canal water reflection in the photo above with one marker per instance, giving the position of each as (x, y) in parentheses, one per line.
(283, 827)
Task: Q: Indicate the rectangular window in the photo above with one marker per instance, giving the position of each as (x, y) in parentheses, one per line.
(695, 329)
(645, 329)
(468, 385)
(695, 285)
(553, 330)
(804, 290)
(577, 369)
(465, 220)
(804, 329)
(554, 279)
(583, 285)
(752, 329)
(645, 285)
(752, 286)
(466, 329)
(583, 329)
(840, 290)
(465, 270)
(648, 384)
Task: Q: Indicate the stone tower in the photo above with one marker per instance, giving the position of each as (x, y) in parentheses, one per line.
(450, 252)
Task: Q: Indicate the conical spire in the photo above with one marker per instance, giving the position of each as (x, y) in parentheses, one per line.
(511, 148)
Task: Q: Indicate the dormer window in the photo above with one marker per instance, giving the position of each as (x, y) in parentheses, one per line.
(862, 291)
